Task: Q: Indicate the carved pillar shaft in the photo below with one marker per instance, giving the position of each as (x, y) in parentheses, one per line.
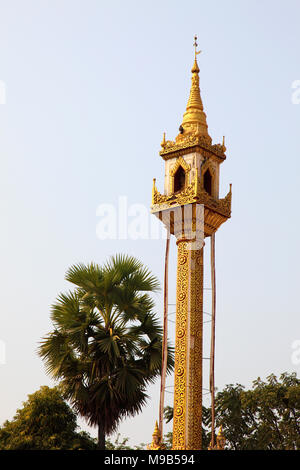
(187, 424)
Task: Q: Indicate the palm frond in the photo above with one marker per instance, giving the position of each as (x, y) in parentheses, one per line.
(106, 346)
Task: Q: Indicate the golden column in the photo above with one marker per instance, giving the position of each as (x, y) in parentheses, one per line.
(191, 209)
(188, 348)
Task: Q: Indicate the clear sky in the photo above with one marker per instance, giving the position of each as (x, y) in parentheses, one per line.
(90, 87)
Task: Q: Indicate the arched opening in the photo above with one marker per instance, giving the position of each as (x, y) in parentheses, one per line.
(207, 182)
(179, 180)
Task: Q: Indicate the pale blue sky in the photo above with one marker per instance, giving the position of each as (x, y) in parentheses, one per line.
(90, 87)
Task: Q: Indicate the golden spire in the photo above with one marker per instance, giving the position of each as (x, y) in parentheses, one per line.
(156, 443)
(163, 143)
(194, 118)
(156, 430)
(221, 441)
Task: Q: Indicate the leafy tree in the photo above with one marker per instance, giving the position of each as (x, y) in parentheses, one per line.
(107, 342)
(118, 444)
(267, 417)
(229, 413)
(272, 413)
(45, 422)
(168, 413)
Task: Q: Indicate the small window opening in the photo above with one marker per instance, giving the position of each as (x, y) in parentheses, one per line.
(207, 182)
(179, 180)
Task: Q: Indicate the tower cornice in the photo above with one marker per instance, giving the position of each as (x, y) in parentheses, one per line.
(197, 144)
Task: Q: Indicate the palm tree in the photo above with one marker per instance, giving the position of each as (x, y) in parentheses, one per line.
(106, 346)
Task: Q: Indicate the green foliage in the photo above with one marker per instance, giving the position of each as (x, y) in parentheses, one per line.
(267, 417)
(168, 413)
(168, 438)
(106, 345)
(118, 444)
(271, 414)
(45, 422)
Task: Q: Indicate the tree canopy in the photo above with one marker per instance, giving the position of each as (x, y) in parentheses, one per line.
(106, 346)
(266, 417)
(45, 422)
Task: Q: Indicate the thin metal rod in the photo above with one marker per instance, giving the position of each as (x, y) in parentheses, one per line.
(213, 335)
(165, 340)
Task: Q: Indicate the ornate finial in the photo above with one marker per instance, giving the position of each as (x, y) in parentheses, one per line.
(154, 191)
(195, 46)
(163, 143)
(156, 430)
(223, 144)
(195, 68)
(156, 443)
(221, 441)
(194, 119)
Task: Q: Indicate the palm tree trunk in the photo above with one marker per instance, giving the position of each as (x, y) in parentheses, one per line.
(101, 436)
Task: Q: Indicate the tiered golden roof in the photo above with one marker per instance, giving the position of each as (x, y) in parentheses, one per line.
(193, 131)
(194, 118)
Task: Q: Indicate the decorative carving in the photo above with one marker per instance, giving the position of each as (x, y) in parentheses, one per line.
(182, 259)
(191, 193)
(207, 164)
(195, 367)
(187, 427)
(180, 162)
(180, 351)
(186, 142)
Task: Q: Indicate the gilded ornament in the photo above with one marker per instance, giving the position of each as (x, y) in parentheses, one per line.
(181, 296)
(182, 259)
(156, 443)
(180, 162)
(179, 410)
(180, 333)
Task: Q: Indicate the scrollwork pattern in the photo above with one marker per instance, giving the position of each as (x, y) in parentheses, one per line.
(180, 349)
(187, 427)
(188, 141)
(194, 193)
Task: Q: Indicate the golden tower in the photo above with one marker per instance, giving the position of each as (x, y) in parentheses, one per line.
(191, 209)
